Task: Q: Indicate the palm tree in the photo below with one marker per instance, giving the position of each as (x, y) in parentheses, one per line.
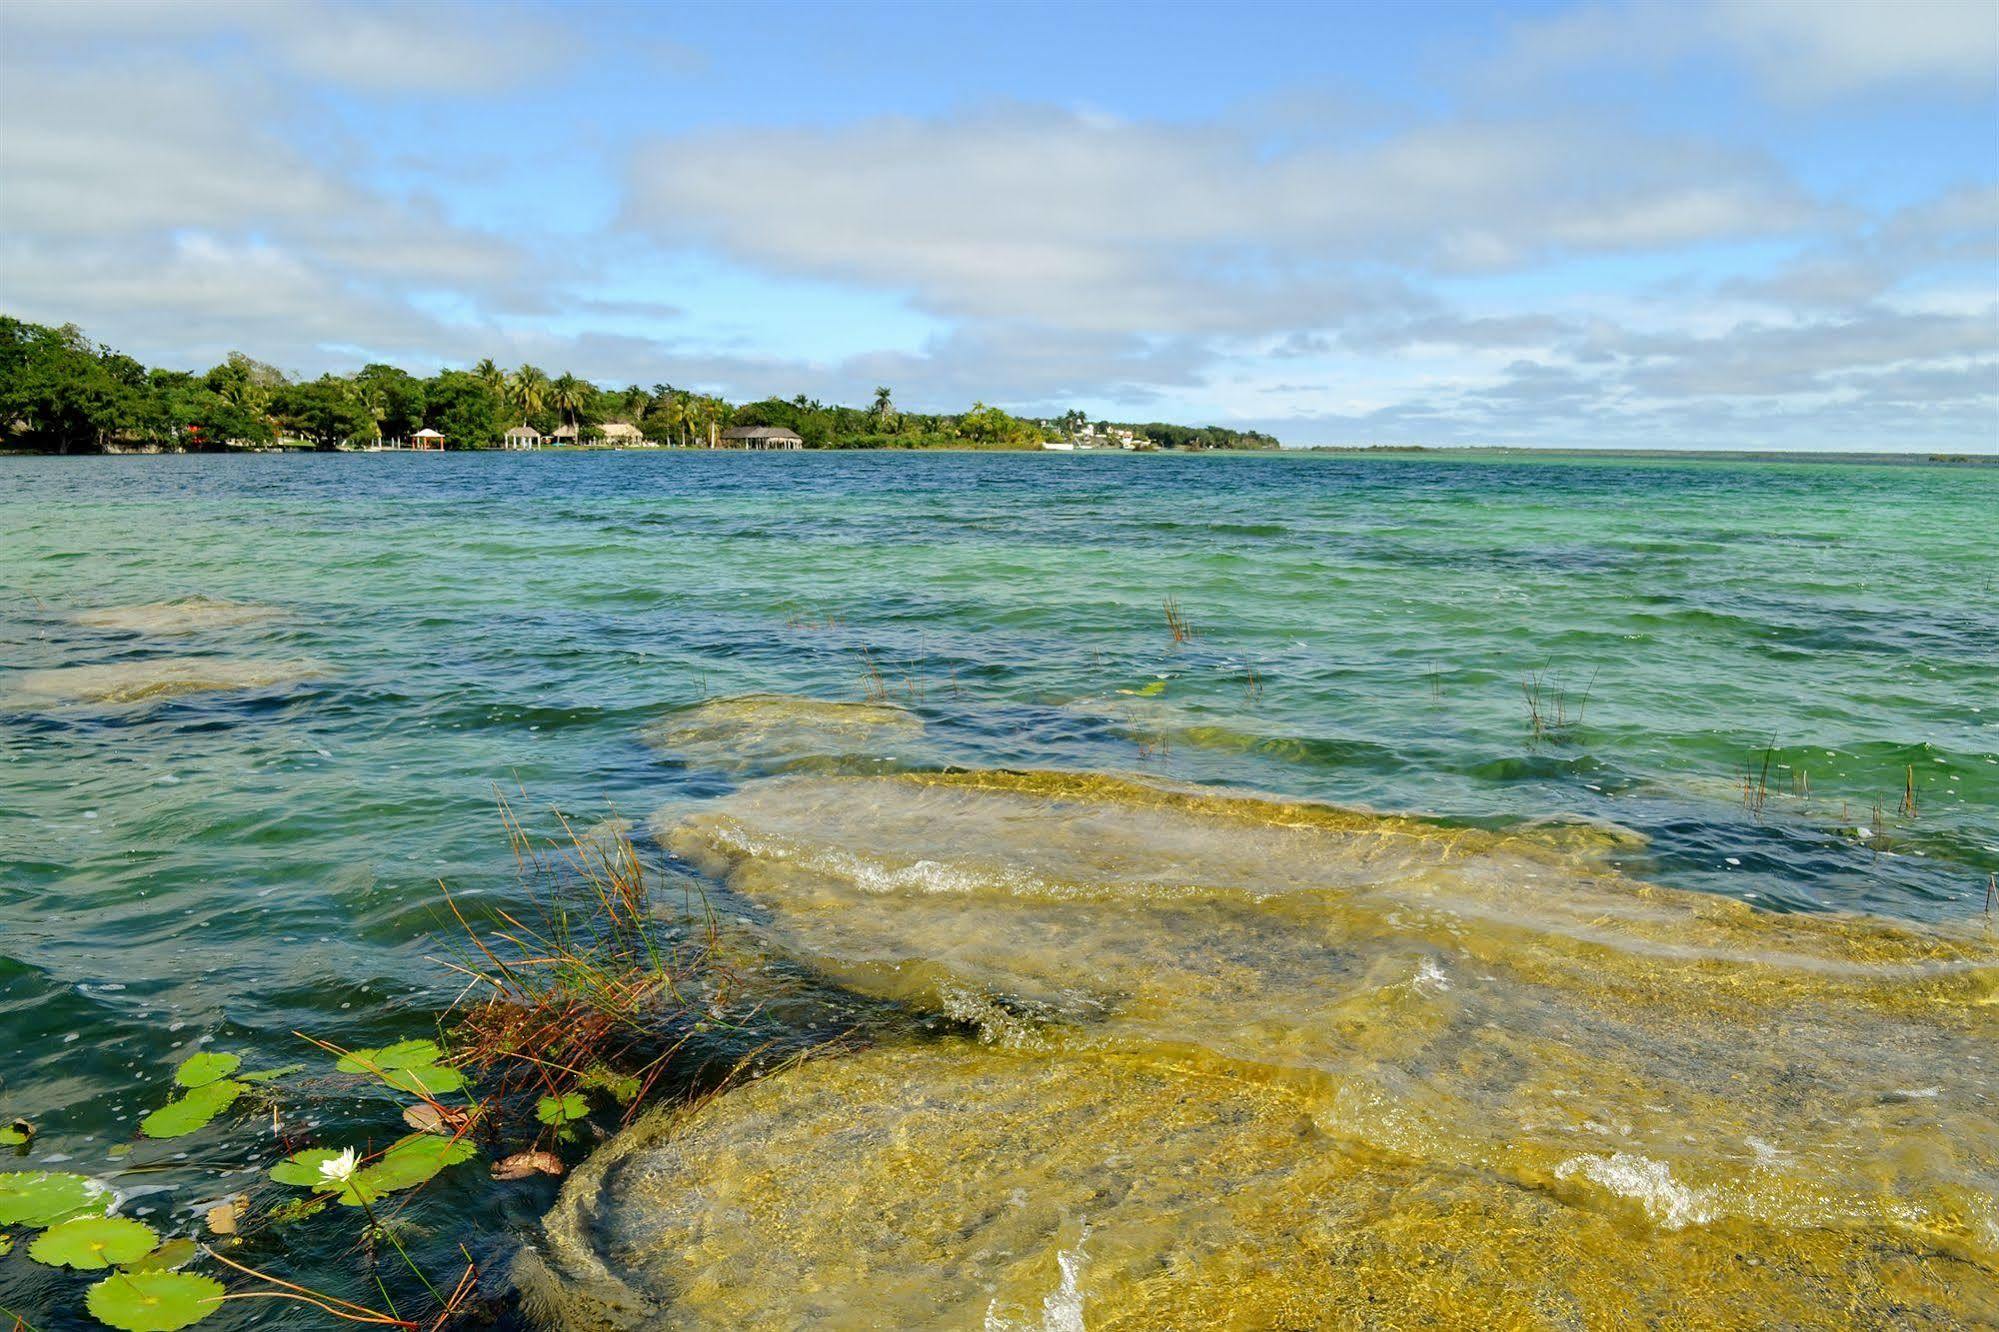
(491, 375)
(528, 389)
(634, 401)
(674, 413)
(569, 395)
(882, 404)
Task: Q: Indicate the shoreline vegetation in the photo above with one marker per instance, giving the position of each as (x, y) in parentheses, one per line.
(62, 393)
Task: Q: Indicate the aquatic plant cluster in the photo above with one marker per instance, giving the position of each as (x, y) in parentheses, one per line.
(568, 1016)
(146, 1289)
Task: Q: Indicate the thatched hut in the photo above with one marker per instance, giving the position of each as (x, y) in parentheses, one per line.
(763, 437)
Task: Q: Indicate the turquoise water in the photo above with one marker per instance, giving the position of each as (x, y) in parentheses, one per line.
(239, 865)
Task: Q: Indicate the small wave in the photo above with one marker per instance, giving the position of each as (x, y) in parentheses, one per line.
(1649, 1183)
(1062, 1311)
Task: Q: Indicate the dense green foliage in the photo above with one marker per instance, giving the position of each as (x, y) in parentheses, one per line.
(62, 393)
(1204, 437)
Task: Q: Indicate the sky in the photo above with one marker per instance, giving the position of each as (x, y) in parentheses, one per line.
(1759, 224)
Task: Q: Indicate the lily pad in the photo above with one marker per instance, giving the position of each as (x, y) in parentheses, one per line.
(302, 1168)
(403, 1054)
(153, 1301)
(189, 1112)
(94, 1241)
(209, 1066)
(224, 1217)
(174, 1253)
(560, 1110)
(407, 1163)
(42, 1198)
(271, 1074)
(16, 1133)
(427, 1080)
(409, 1066)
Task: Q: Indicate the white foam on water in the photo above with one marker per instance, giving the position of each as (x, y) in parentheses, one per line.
(1062, 1310)
(1430, 978)
(1649, 1183)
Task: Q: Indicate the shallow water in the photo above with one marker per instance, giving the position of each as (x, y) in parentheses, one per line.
(240, 863)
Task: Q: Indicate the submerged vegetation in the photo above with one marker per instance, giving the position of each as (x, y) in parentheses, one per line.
(62, 393)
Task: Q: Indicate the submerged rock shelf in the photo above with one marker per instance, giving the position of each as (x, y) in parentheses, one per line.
(1243, 1062)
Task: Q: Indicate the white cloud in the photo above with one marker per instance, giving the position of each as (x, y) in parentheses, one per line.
(1797, 49)
(1080, 222)
(439, 46)
(1842, 46)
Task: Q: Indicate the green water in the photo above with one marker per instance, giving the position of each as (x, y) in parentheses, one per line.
(239, 865)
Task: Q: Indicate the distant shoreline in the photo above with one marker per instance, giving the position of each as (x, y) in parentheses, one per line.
(1377, 453)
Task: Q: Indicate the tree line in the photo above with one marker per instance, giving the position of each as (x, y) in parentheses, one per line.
(60, 392)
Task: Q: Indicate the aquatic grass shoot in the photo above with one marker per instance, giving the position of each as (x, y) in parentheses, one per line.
(1548, 705)
(874, 687)
(1756, 780)
(589, 987)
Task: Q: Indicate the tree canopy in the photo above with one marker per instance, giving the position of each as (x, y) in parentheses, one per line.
(62, 393)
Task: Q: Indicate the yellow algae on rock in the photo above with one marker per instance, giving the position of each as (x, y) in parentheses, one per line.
(187, 615)
(778, 731)
(155, 678)
(1462, 999)
(957, 1186)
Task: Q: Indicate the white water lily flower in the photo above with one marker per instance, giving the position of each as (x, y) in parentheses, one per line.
(341, 1168)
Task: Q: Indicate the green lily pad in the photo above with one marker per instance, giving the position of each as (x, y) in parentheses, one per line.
(409, 1066)
(153, 1301)
(189, 1112)
(403, 1054)
(357, 1190)
(201, 1069)
(94, 1241)
(174, 1253)
(407, 1163)
(42, 1198)
(427, 1080)
(560, 1110)
(6, 1245)
(271, 1074)
(302, 1168)
(16, 1133)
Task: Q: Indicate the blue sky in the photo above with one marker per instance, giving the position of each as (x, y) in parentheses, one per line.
(1712, 223)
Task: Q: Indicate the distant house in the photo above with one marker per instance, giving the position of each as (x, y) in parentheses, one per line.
(523, 437)
(563, 434)
(763, 437)
(426, 438)
(622, 433)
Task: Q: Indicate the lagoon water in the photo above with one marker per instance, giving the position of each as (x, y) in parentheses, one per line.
(1685, 996)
